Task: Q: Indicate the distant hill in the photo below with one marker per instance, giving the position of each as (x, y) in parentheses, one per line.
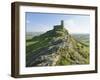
(56, 47)
(84, 38)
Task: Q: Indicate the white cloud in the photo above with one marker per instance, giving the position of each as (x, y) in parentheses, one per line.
(75, 27)
(27, 21)
(69, 24)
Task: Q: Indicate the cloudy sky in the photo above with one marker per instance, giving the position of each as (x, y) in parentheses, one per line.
(42, 22)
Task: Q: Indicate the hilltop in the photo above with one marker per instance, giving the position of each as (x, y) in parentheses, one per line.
(56, 47)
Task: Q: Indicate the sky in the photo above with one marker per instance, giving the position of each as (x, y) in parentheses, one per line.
(42, 22)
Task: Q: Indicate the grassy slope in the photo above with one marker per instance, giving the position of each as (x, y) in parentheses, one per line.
(38, 42)
(70, 55)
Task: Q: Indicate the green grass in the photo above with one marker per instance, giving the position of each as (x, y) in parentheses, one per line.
(31, 43)
(36, 43)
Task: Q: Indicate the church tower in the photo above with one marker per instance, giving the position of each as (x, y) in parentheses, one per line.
(59, 27)
(62, 23)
